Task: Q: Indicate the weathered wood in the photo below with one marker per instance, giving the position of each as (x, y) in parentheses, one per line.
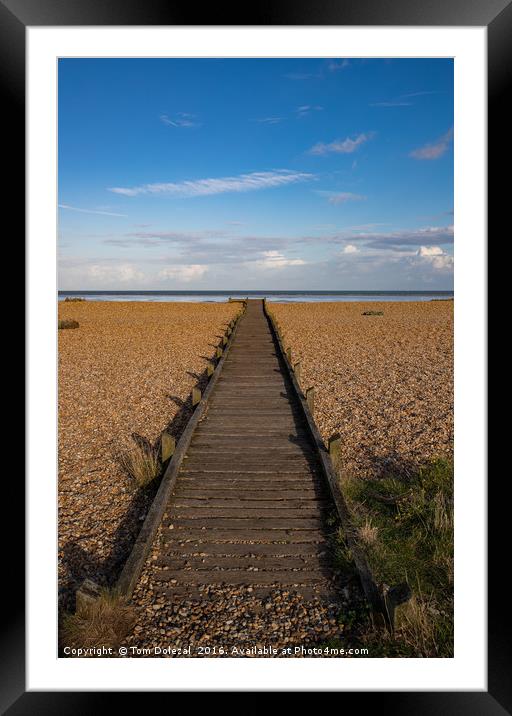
(247, 494)
(249, 523)
(236, 534)
(179, 548)
(236, 562)
(196, 396)
(382, 615)
(297, 370)
(167, 446)
(87, 595)
(135, 562)
(310, 399)
(242, 576)
(334, 447)
(209, 369)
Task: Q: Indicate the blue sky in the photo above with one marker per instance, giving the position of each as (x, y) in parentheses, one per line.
(256, 174)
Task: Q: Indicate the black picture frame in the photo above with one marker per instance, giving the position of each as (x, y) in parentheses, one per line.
(15, 16)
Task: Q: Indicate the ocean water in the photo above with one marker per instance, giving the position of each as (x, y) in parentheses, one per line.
(281, 296)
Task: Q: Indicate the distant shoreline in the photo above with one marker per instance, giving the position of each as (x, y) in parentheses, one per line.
(281, 296)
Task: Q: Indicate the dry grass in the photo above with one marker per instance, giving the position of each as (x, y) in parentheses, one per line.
(68, 323)
(368, 532)
(103, 622)
(412, 541)
(141, 464)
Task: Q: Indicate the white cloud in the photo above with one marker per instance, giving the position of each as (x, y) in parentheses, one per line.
(89, 211)
(277, 260)
(341, 146)
(435, 149)
(436, 257)
(123, 273)
(181, 119)
(207, 187)
(350, 249)
(345, 196)
(184, 273)
(269, 120)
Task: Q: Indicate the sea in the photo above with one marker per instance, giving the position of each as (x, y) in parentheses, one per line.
(281, 296)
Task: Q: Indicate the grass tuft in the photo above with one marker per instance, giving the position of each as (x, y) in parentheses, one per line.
(406, 527)
(68, 323)
(73, 299)
(141, 464)
(103, 622)
(372, 313)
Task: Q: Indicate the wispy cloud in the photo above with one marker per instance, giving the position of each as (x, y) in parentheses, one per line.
(343, 196)
(306, 109)
(269, 120)
(335, 65)
(399, 240)
(89, 211)
(391, 103)
(207, 187)
(181, 119)
(303, 75)
(402, 100)
(435, 149)
(341, 146)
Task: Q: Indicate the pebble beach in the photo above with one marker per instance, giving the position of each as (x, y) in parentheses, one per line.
(384, 383)
(128, 369)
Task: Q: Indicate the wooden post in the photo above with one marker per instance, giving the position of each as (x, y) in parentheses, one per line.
(296, 370)
(310, 398)
(168, 446)
(334, 445)
(209, 369)
(196, 396)
(289, 355)
(86, 595)
(224, 340)
(218, 352)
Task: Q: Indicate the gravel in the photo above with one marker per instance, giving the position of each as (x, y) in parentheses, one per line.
(383, 382)
(128, 369)
(233, 622)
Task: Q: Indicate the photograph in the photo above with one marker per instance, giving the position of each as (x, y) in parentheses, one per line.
(255, 357)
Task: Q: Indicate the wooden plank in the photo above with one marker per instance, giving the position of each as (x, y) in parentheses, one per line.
(288, 549)
(279, 562)
(176, 594)
(288, 577)
(182, 512)
(215, 534)
(248, 524)
(244, 493)
(240, 501)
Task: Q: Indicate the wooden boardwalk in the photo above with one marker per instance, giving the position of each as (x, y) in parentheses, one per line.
(249, 503)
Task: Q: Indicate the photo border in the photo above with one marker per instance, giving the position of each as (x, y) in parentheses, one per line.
(15, 16)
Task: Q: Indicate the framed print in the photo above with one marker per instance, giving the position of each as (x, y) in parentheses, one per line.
(256, 437)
